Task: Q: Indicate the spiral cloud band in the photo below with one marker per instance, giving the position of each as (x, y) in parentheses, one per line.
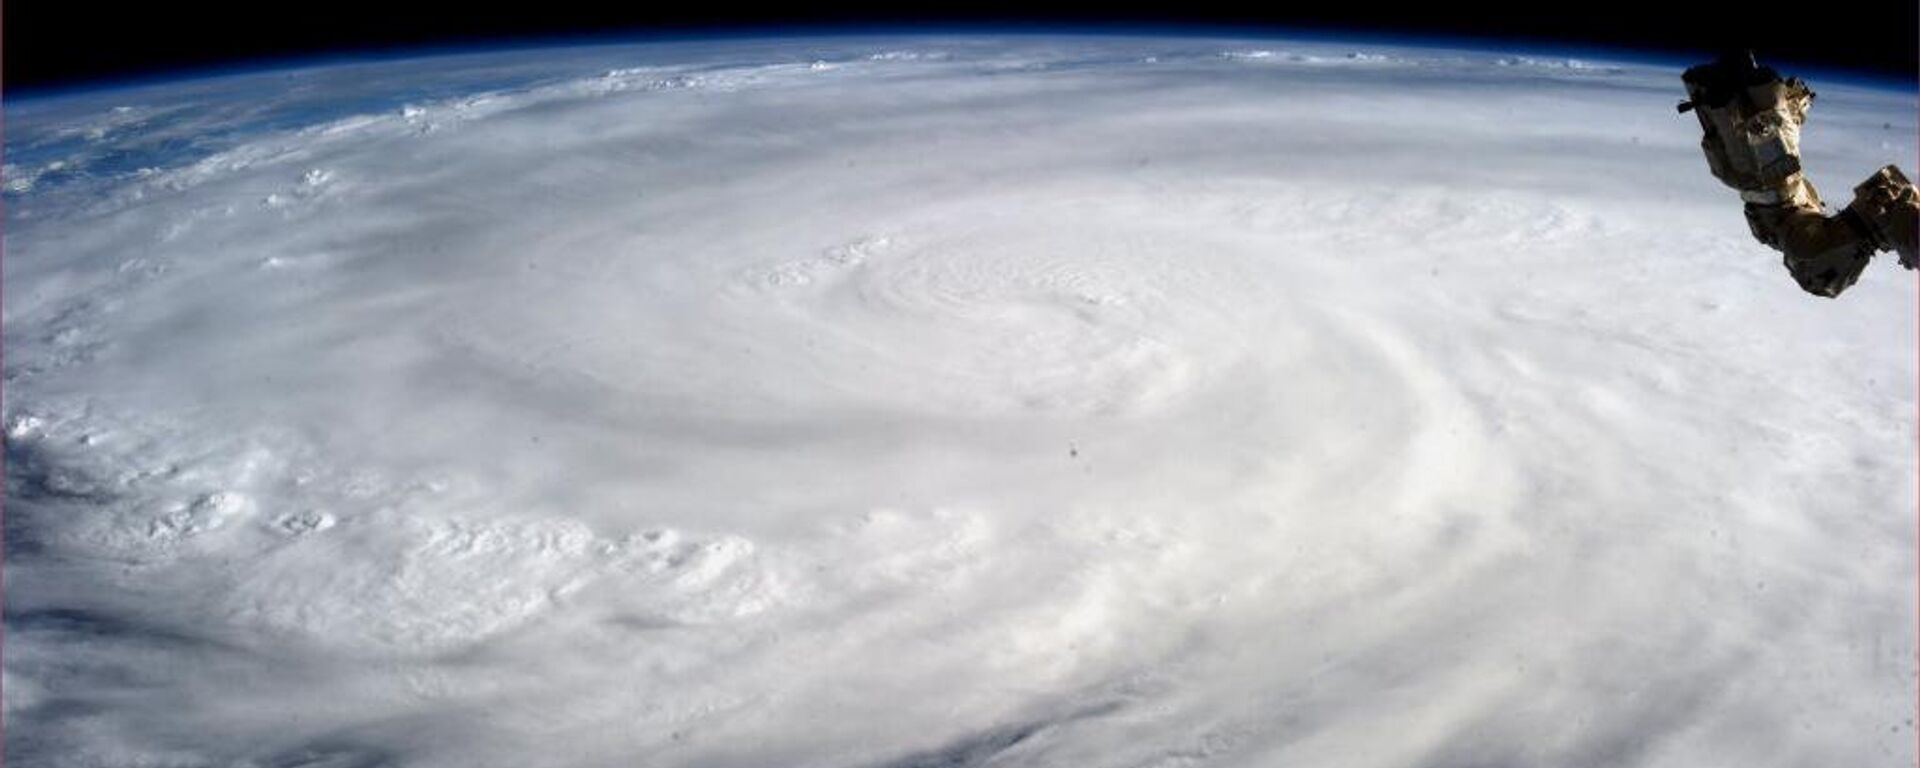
(942, 402)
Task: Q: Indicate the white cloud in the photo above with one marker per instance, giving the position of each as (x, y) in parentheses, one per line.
(960, 402)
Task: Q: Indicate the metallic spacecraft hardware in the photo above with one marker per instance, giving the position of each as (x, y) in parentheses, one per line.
(1751, 118)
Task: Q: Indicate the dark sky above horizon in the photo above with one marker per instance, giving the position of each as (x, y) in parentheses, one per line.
(54, 43)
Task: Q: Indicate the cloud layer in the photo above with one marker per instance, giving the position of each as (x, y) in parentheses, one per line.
(928, 402)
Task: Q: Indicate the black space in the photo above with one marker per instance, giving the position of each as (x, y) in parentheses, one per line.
(51, 43)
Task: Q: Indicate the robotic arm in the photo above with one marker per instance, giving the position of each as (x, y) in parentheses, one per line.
(1751, 118)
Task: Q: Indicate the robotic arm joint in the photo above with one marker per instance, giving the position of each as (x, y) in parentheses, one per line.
(1750, 122)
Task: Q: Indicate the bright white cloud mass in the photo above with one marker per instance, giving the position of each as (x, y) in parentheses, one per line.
(943, 402)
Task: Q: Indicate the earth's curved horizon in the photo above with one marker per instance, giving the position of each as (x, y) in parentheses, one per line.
(943, 400)
(1351, 39)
